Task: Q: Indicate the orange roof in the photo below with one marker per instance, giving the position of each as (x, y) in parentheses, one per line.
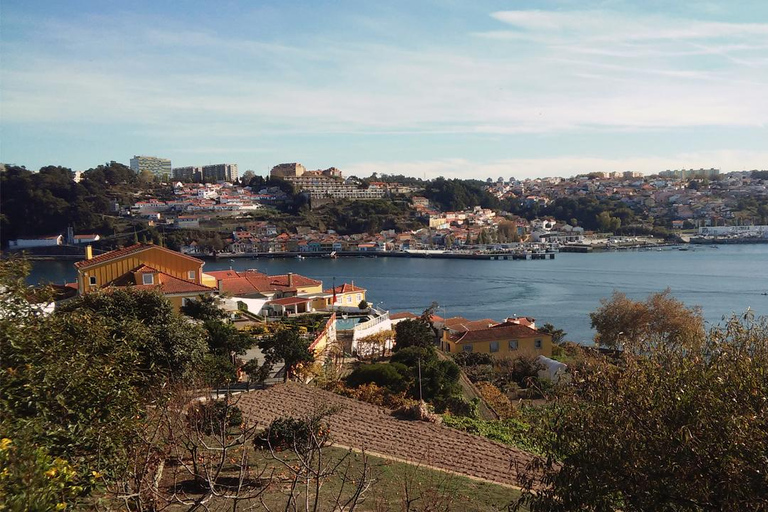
(459, 323)
(345, 288)
(126, 251)
(402, 315)
(252, 282)
(496, 333)
(167, 283)
(223, 274)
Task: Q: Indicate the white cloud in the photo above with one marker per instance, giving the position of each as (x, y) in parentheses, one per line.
(726, 160)
(574, 72)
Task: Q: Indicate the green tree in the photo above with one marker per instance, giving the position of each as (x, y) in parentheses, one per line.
(675, 428)
(413, 333)
(74, 385)
(288, 347)
(558, 335)
(205, 307)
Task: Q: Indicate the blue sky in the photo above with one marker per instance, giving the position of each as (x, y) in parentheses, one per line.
(465, 89)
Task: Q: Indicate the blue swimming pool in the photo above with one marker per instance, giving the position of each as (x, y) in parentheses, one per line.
(347, 324)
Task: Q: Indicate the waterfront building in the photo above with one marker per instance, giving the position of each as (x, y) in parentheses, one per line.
(41, 241)
(160, 167)
(145, 266)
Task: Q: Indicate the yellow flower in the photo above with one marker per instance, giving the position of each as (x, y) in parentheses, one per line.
(96, 474)
(51, 472)
(5, 443)
(61, 506)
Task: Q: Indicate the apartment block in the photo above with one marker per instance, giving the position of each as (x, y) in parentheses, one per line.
(160, 167)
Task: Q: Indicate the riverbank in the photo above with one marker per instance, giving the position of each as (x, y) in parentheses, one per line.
(490, 256)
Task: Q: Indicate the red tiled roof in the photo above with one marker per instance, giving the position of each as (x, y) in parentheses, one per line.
(167, 283)
(402, 315)
(251, 282)
(345, 288)
(223, 274)
(459, 323)
(125, 251)
(495, 333)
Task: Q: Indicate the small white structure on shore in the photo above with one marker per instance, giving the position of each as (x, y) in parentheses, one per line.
(43, 241)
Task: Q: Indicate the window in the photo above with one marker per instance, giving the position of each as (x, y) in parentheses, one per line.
(191, 275)
(512, 344)
(467, 348)
(186, 300)
(92, 280)
(349, 299)
(494, 346)
(359, 297)
(147, 279)
(537, 343)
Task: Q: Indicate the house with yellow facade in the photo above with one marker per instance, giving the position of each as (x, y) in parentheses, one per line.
(513, 336)
(145, 266)
(344, 296)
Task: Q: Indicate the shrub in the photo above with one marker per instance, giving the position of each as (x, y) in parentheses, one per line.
(497, 400)
(300, 435)
(211, 418)
(472, 359)
(393, 376)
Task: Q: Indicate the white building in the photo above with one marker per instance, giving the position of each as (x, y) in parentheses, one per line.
(28, 243)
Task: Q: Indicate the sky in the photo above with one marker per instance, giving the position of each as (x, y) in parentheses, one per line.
(462, 89)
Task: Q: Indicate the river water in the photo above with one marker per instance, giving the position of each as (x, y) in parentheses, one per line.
(563, 291)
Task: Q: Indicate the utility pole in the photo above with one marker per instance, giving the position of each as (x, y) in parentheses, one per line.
(421, 398)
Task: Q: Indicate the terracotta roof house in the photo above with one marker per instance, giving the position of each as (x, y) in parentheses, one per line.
(504, 339)
(178, 276)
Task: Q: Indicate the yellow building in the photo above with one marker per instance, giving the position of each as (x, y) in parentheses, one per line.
(345, 295)
(502, 340)
(144, 266)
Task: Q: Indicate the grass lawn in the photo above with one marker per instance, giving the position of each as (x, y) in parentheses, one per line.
(395, 486)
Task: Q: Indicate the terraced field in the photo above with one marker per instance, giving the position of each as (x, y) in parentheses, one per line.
(361, 426)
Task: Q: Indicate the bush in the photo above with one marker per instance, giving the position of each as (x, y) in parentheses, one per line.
(393, 376)
(497, 400)
(300, 435)
(373, 394)
(510, 431)
(472, 359)
(522, 370)
(211, 418)
(456, 405)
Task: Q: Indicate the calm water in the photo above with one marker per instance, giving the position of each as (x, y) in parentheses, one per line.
(562, 291)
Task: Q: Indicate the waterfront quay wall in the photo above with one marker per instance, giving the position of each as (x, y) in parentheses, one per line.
(388, 254)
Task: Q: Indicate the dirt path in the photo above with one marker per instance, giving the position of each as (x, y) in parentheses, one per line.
(363, 426)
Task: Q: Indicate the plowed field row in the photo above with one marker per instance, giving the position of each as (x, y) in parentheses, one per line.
(361, 426)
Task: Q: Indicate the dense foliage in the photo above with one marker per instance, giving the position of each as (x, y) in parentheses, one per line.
(413, 333)
(666, 426)
(75, 384)
(453, 195)
(286, 346)
(661, 318)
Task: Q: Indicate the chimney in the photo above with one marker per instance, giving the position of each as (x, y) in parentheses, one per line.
(290, 279)
(88, 252)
